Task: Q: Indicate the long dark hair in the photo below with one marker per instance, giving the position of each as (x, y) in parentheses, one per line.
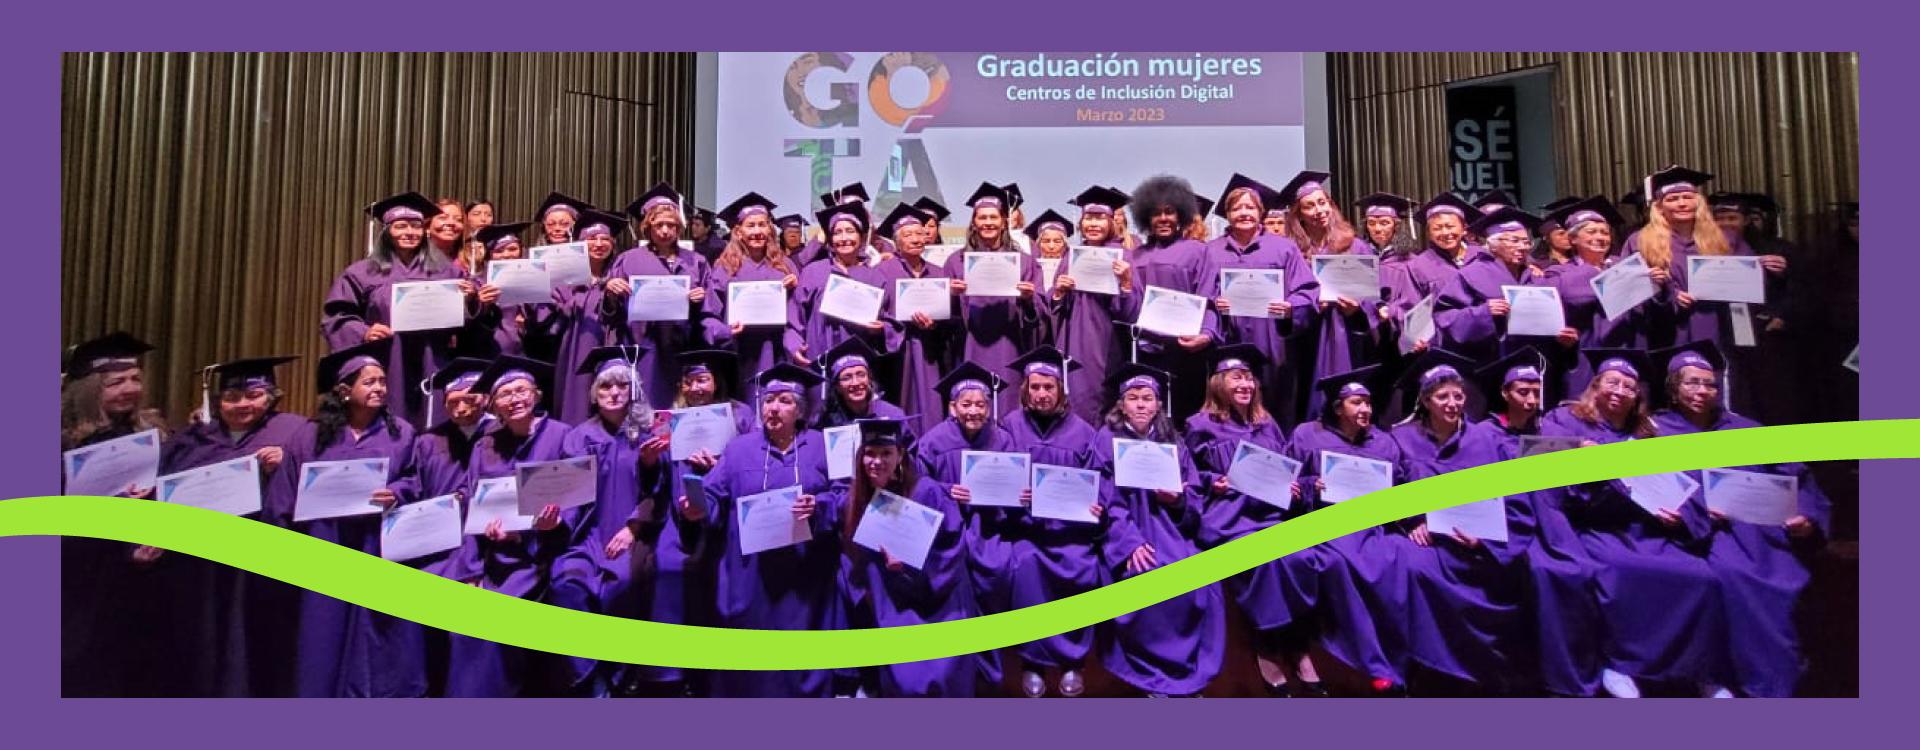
(332, 415)
(1160, 429)
(862, 492)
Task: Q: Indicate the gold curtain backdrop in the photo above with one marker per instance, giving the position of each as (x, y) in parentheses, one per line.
(208, 199)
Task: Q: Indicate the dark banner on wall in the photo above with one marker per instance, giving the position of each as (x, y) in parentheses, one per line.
(1483, 141)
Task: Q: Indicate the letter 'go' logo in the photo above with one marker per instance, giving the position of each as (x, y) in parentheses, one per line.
(844, 96)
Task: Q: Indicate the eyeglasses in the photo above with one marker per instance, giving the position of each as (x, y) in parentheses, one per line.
(514, 394)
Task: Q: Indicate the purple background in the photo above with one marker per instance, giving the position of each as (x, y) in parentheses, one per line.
(1271, 98)
(34, 717)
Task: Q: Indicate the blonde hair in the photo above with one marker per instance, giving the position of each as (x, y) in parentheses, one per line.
(1220, 401)
(1656, 238)
(82, 413)
(735, 254)
(1339, 238)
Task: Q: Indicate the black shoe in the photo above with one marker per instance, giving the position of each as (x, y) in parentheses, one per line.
(1277, 691)
(1315, 689)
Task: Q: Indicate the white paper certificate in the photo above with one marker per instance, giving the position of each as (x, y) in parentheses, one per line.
(1263, 474)
(840, 444)
(231, 487)
(658, 298)
(700, 428)
(1623, 286)
(1146, 465)
(992, 274)
(757, 303)
(1752, 497)
(1658, 492)
(1533, 445)
(1348, 477)
(567, 483)
(1355, 277)
(419, 529)
(995, 479)
(427, 305)
(905, 528)
(566, 263)
(1417, 326)
(1534, 310)
(108, 468)
(1726, 278)
(521, 282)
(332, 489)
(496, 498)
(932, 296)
(1092, 269)
(851, 301)
(1485, 520)
(1049, 270)
(1250, 290)
(1171, 313)
(766, 521)
(1065, 494)
(938, 254)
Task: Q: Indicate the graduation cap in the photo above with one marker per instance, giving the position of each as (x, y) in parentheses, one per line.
(790, 221)
(968, 376)
(602, 358)
(1044, 360)
(1432, 366)
(1523, 364)
(849, 353)
(856, 192)
(1014, 198)
(1357, 382)
(1761, 202)
(1383, 204)
(1202, 206)
(722, 364)
(110, 353)
(882, 432)
(1723, 202)
(1303, 185)
(405, 206)
(1125, 197)
(1493, 200)
(496, 236)
(1674, 179)
(1448, 203)
(787, 378)
(857, 212)
(1633, 198)
(1048, 220)
(561, 202)
(1629, 362)
(1270, 199)
(1096, 199)
(1135, 375)
(460, 374)
(1559, 203)
(989, 195)
(1703, 354)
(508, 368)
(243, 374)
(705, 216)
(929, 205)
(660, 194)
(1238, 357)
(337, 367)
(901, 214)
(745, 206)
(595, 222)
(1504, 219)
(1585, 211)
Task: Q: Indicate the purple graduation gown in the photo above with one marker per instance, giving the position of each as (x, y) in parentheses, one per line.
(1420, 274)
(1462, 614)
(515, 567)
(1574, 280)
(660, 342)
(440, 459)
(1280, 379)
(362, 297)
(232, 628)
(1054, 559)
(347, 651)
(1466, 327)
(1335, 342)
(989, 532)
(791, 588)
(1713, 321)
(577, 324)
(1762, 572)
(1659, 600)
(1182, 267)
(1368, 555)
(1175, 646)
(812, 332)
(711, 247)
(1308, 588)
(925, 355)
(759, 347)
(1083, 329)
(997, 330)
(940, 591)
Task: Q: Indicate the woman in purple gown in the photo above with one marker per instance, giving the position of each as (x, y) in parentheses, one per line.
(750, 255)
(659, 254)
(927, 346)
(1083, 322)
(1589, 226)
(786, 588)
(347, 651)
(441, 455)
(577, 322)
(1166, 206)
(513, 563)
(1429, 270)
(496, 329)
(851, 390)
(1173, 647)
(1344, 332)
(1052, 559)
(1471, 312)
(1247, 246)
(232, 629)
(888, 592)
(810, 331)
(1660, 603)
(1762, 568)
(359, 305)
(997, 329)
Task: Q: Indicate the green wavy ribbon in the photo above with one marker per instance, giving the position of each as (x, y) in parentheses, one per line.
(404, 592)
